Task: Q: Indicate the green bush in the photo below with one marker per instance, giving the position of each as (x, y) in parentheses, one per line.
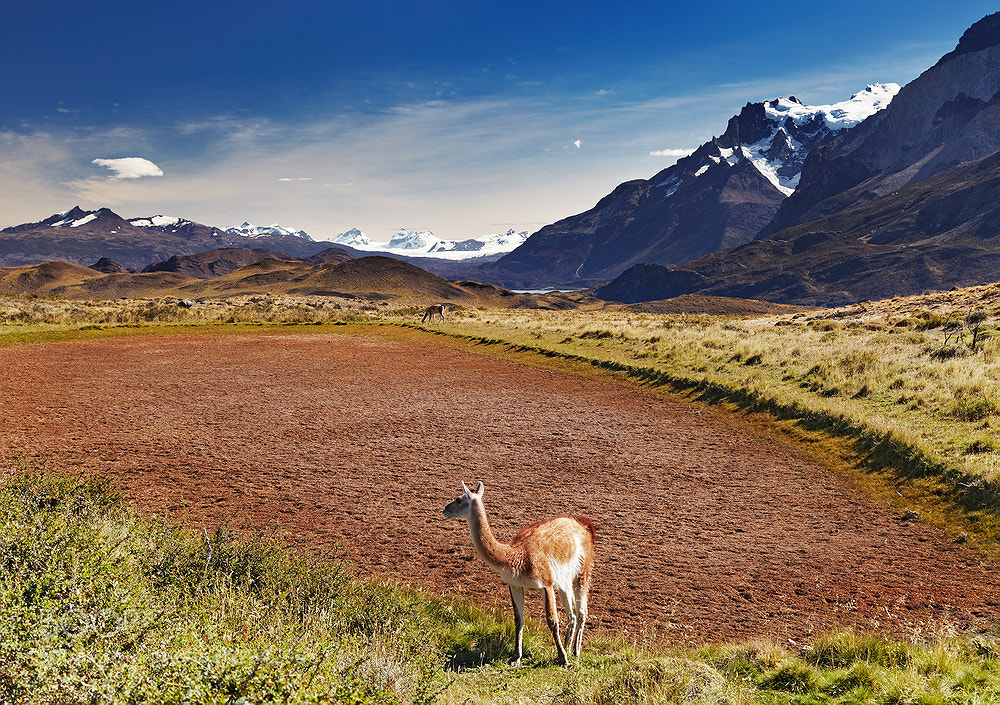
(98, 604)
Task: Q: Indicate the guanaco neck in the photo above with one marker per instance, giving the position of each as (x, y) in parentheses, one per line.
(495, 553)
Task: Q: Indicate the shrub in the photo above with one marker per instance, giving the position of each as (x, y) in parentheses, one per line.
(845, 648)
(974, 407)
(793, 677)
(981, 445)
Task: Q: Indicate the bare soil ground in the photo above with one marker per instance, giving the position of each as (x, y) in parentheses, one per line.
(705, 530)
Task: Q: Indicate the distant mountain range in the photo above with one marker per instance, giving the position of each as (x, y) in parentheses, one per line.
(254, 231)
(417, 243)
(83, 237)
(907, 201)
(86, 237)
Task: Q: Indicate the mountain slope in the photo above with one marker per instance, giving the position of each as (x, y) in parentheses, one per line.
(947, 116)
(935, 234)
(720, 196)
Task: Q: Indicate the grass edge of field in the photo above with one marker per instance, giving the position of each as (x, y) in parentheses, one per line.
(106, 604)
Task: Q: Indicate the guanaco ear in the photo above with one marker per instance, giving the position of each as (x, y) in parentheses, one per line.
(464, 488)
(480, 490)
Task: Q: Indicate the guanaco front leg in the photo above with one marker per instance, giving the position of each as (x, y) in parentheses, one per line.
(517, 598)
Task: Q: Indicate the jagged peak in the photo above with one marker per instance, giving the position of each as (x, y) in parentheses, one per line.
(982, 35)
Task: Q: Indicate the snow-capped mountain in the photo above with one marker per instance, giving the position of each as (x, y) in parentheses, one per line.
(258, 231)
(904, 202)
(412, 241)
(799, 128)
(722, 195)
(423, 243)
(776, 136)
(354, 238)
(172, 224)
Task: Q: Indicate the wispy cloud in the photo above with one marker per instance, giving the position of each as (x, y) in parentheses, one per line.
(130, 167)
(671, 152)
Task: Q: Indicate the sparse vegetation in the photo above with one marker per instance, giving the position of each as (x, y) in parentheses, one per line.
(101, 604)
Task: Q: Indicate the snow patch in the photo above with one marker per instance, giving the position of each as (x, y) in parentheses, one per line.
(83, 221)
(353, 238)
(837, 116)
(156, 221)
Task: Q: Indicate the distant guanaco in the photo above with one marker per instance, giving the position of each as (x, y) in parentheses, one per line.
(554, 556)
(435, 310)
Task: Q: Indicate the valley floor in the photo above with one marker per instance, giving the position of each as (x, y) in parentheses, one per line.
(356, 441)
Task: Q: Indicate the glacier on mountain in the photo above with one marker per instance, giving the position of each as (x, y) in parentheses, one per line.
(423, 243)
(256, 231)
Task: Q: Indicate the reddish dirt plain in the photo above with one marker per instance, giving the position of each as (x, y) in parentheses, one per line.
(706, 531)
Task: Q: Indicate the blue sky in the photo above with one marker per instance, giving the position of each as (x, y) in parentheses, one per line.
(464, 118)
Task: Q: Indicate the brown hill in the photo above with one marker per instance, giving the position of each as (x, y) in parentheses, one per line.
(380, 277)
(107, 265)
(123, 286)
(43, 278)
(714, 306)
(371, 278)
(214, 263)
(330, 254)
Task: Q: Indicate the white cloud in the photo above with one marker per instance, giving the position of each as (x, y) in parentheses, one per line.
(130, 167)
(676, 153)
(577, 144)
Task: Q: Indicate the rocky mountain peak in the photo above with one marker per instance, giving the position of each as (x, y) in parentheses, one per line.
(982, 35)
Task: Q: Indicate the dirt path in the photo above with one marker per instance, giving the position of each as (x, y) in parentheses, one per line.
(705, 532)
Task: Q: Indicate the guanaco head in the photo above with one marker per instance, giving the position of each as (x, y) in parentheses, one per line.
(461, 507)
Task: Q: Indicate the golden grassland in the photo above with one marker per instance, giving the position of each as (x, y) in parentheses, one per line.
(904, 391)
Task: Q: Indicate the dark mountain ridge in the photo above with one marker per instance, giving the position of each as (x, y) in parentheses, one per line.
(720, 196)
(83, 237)
(907, 201)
